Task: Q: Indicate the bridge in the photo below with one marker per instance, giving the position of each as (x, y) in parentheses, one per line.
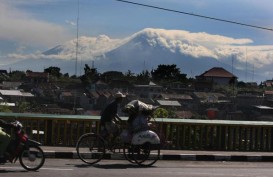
(178, 134)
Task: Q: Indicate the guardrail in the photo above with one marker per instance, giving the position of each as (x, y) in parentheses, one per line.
(188, 134)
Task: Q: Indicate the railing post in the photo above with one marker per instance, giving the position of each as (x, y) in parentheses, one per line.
(49, 131)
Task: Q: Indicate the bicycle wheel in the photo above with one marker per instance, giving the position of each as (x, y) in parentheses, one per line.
(90, 148)
(128, 153)
(146, 154)
(32, 158)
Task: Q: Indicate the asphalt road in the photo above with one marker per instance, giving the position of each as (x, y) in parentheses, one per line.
(121, 168)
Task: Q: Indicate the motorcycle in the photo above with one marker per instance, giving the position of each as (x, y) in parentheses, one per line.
(28, 151)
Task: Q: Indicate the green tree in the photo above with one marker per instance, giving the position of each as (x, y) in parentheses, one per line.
(17, 75)
(90, 75)
(160, 113)
(4, 108)
(53, 71)
(129, 76)
(143, 77)
(23, 106)
(168, 73)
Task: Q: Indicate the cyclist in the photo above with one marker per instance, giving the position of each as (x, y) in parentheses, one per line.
(110, 117)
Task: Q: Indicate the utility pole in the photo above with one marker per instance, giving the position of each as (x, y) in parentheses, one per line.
(76, 60)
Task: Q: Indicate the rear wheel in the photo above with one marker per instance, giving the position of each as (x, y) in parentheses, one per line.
(146, 154)
(90, 148)
(32, 158)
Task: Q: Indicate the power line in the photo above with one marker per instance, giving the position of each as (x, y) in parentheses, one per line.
(196, 15)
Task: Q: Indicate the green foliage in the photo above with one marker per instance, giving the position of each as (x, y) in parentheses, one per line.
(160, 113)
(23, 106)
(90, 75)
(4, 108)
(171, 114)
(53, 71)
(143, 77)
(17, 75)
(129, 76)
(168, 73)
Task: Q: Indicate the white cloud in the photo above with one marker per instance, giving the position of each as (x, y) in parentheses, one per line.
(21, 27)
(198, 45)
(70, 22)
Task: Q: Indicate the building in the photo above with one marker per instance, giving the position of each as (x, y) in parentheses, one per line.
(215, 76)
(37, 77)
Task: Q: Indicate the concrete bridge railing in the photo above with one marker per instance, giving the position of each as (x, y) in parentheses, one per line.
(188, 134)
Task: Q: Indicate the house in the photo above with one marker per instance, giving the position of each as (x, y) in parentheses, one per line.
(150, 90)
(98, 85)
(14, 95)
(208, 97)
(89, 99)
(7, 85)
(67, 97)
(268, 83)
(268, 97)
(249, 98)
(4, 75)
(262, 113)
(217, 76)
(168, 104)
(37, 77)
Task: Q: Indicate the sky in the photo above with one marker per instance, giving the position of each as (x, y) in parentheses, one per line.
(33, 26)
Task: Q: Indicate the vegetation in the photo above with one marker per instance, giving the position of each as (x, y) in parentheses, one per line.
(4, 108)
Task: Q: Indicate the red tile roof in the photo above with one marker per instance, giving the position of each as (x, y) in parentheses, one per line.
(217, 72)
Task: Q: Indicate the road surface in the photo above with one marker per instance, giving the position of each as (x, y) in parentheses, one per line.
(121, 168)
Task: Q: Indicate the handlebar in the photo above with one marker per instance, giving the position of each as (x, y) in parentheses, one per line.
(17, 125)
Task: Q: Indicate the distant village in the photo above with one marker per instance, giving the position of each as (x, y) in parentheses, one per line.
(215, 94)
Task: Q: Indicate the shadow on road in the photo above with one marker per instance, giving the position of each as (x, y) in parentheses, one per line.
(112, 166)
(12, 171)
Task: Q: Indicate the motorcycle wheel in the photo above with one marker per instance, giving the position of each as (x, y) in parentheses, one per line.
(32, 158)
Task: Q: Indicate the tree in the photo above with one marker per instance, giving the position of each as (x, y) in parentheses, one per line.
(129, 76)
(4, 108)
(17, 75)
(143, 77)
(90, 75)
(53, 71)
(168, 73)
(23, 106)
(160, 113)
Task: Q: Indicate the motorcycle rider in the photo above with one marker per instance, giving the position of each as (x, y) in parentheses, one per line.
(4, 139)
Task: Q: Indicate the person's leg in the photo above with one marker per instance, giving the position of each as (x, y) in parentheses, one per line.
(4, 142)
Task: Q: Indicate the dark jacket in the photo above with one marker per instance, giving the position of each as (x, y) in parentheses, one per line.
(109, 113)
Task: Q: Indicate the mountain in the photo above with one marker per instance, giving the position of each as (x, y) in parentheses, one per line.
(193, 53)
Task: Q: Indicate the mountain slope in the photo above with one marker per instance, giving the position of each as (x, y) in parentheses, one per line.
(193, 53)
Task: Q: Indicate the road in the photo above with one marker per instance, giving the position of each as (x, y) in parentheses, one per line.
(120, 168)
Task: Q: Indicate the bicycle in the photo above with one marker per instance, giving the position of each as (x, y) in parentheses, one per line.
(143, 149)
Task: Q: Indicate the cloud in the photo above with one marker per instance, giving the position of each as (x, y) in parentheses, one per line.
(21, 27)
(198, 45)
(70, 22)
(194, 44)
